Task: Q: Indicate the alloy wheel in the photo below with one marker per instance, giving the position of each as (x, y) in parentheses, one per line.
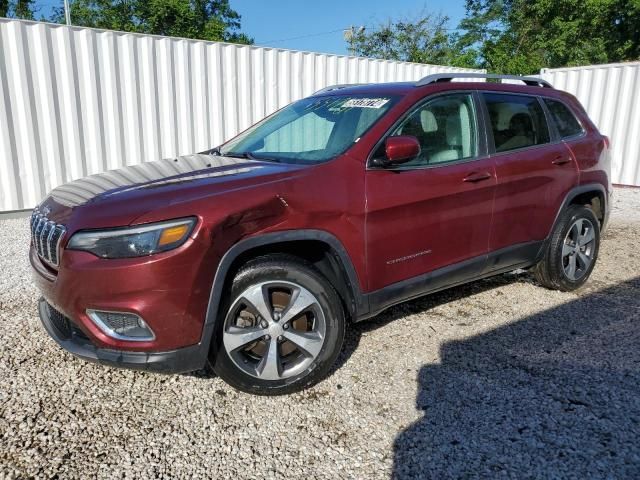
(578, 249)
(274, 330)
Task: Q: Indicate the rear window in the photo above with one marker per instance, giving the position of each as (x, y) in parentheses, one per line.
(517, 121)
(565, 120)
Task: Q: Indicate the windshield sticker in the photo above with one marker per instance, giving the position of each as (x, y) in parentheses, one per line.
(365, 103)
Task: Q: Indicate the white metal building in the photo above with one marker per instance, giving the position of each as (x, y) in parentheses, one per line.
(76, 101)
(611, 95)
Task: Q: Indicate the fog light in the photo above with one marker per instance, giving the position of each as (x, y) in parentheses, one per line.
(122, 325)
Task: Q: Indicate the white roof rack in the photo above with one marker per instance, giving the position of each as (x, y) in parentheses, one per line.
(447, 77)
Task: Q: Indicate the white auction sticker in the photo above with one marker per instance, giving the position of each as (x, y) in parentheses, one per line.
(365, 102)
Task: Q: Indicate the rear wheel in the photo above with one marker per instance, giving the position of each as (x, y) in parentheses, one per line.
(572, 251)
(283, 327)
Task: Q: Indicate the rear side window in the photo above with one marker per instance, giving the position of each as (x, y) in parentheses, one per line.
(517, 121)
(565, 120)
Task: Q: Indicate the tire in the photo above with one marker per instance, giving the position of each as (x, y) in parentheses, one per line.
(264, 297)
(554, 271)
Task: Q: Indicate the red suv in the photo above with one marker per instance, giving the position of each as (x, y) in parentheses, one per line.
(253, 256)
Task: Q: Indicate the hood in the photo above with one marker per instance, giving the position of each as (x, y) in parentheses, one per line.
(118, 197)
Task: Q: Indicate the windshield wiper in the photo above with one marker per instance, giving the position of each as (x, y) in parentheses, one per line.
(251, 156)
(247, 155)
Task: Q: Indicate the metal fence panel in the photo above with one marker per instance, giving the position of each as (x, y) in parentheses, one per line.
(77, 101)
(611, 95)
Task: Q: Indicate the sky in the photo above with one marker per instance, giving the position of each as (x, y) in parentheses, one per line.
(318, 25)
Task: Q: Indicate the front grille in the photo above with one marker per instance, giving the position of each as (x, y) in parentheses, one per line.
(46, 237)
(60, 322)
(66, 328)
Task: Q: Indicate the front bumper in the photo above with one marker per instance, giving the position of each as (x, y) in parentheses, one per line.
(169, 291)
(72, 339)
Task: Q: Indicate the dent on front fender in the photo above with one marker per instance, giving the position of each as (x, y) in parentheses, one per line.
(257, 217)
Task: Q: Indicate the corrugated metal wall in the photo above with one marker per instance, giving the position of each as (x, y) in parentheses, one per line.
(611, 95)
(77, 101)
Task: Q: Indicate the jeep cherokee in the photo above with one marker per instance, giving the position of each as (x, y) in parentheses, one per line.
(253, 256)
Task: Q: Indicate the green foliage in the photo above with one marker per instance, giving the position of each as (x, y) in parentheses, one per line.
(424, 40)
(514, 36)
(17, 9)
(522, 36)
(578, 32)
(201, 19)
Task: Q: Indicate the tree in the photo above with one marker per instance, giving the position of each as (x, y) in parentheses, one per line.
(577, 32)
(424, 40)
(513, 36)
(19, 9)
(201, 19)
(499, 36)
(522, 36)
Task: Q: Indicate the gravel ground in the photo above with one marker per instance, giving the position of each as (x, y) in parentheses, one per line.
(500, 378)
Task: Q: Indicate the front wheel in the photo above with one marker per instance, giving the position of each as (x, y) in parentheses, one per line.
(572, 250)
(283, 327)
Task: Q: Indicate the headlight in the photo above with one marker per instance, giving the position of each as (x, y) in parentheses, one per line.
(133, 241)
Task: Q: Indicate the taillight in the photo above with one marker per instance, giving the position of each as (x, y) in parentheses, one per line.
(607, 142)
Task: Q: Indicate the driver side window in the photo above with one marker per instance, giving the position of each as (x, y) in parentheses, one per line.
(445, 128)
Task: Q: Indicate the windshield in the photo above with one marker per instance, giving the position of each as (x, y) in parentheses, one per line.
(312, 130)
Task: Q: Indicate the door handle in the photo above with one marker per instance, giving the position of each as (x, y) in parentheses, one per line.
(561, 160)
(477, 177)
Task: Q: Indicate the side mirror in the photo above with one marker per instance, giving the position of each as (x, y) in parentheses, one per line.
(401, 149)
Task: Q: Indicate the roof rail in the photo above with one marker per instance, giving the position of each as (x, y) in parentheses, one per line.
(447, 77)
(337, 87)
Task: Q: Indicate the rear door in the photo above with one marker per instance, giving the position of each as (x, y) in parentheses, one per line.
(434, 211)
(534, 172)
(585, 149)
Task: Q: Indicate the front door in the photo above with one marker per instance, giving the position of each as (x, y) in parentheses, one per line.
(435, 210)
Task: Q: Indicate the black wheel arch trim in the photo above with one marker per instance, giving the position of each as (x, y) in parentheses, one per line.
(360, 302)
(579, 190)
